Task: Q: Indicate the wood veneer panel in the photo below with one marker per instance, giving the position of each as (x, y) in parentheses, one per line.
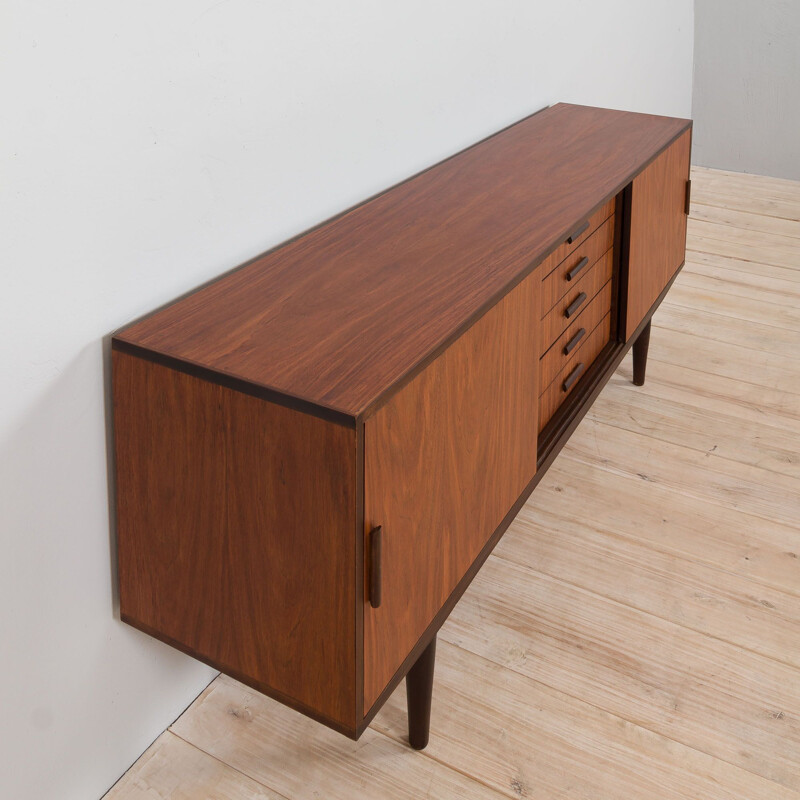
(657, 228)
(340, 315)
(444, 460)
(236, 534)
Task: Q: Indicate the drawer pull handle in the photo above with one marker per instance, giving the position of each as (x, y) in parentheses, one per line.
(572, 377)
(375, 542)
(577, 232)
(577, 268)
(574, 305)
(570, 345)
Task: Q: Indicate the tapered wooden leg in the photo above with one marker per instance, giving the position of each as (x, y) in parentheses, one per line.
(419, 688)
(640, 355)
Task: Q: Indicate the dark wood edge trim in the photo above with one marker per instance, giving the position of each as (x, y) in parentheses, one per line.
(606, 365)
(624, 261)
(620, 245)
(393, 388)
(360, 589)
(689, 179)
(237, 384)
(339, 727)
(322, 224)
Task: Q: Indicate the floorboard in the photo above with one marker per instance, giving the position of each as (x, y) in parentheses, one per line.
(754, 268)
(746, 220)
(173, 768)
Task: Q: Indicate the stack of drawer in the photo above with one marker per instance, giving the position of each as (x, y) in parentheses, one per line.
(576, 308)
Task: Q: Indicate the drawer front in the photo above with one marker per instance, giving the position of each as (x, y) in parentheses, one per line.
(566, 310)
(572, 268)
(570, 376)
(567, 347)
(578, 236)
(444, 460)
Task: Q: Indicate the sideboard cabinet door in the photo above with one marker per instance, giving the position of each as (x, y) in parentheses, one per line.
(444, 461)
(236, 522)
(657, 228)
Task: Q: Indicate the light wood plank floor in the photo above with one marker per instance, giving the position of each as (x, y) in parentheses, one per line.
(637, 632)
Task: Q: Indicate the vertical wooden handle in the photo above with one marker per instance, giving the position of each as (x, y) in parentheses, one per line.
(375, 542)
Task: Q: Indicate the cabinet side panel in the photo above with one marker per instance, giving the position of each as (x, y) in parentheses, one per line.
(445, 460)
(657, 228)
(236, 522)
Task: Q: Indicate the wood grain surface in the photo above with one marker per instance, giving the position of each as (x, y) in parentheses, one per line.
(341, 315)
(444, 461)
(236, 534)
(657, 229)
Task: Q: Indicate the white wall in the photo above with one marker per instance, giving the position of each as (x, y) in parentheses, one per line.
(747, 86)
(148, 146)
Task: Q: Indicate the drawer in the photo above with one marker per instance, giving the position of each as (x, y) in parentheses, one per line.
(572, 268)
(578, 236)
(567, 347)
(565, 311)
(570, 376)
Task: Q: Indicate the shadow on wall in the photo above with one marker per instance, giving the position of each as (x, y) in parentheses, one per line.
(55, 488)
(52, 490)
(60, 624)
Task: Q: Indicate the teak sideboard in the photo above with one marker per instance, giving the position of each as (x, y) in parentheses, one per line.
(316, 452)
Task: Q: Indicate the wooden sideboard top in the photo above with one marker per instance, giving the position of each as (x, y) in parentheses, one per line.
(340, 316)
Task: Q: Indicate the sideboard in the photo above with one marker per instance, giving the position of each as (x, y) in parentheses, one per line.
(316, 452)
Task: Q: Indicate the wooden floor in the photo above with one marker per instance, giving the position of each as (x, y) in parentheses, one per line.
(637, 632)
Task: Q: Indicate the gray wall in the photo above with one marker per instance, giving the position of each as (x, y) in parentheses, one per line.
(746, 102)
